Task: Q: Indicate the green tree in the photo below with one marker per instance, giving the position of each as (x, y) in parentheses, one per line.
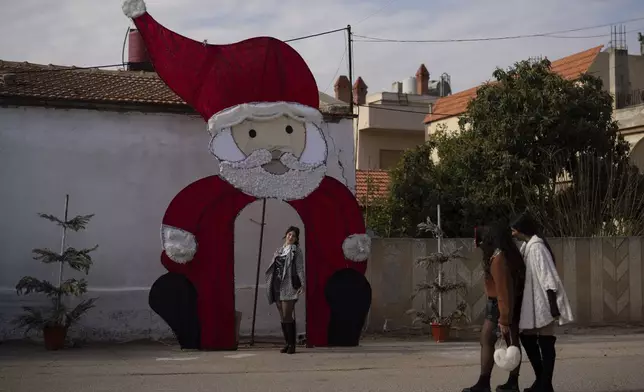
(58, 314)
(508, 138)
(413, 192)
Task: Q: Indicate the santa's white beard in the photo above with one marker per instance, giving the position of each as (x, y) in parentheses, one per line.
(248, 176)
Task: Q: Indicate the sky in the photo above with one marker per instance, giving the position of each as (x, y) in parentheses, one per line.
(91, 32)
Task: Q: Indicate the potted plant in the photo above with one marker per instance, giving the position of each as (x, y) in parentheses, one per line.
(55, 320)
(434, 316)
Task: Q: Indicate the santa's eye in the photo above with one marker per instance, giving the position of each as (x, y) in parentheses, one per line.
(252, 133)
(289, 129)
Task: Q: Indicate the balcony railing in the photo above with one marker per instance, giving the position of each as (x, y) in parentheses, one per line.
(630, 98)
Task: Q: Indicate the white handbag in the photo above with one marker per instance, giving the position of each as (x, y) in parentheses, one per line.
(505, 357)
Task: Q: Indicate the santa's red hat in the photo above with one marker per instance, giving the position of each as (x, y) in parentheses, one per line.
(259, 78)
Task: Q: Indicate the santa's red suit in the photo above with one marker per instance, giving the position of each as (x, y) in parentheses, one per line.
(220, 82)
(208, 209)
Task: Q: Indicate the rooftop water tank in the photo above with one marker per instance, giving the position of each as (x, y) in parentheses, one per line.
(409, 85)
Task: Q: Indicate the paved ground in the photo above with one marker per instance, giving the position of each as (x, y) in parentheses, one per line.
(585, 363)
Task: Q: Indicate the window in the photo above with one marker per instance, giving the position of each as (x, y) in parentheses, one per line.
(389, 158)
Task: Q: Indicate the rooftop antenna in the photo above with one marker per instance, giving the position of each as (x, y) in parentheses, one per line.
(618, 38)
(445, 82)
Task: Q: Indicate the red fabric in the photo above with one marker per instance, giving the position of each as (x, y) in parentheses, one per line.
(211, 78)
(330, 214)
(208, 208)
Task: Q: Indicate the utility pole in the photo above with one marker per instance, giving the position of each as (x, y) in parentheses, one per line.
(349, 43)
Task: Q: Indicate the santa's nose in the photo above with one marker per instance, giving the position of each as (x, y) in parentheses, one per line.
(277, 154)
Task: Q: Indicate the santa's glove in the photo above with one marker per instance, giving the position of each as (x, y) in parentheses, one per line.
(357, 247)
(179, 245)
(133, 8)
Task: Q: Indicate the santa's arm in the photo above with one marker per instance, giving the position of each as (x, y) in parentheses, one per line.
(182, 217)
(357, 245)
(181, 62)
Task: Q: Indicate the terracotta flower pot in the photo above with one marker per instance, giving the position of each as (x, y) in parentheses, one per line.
(55, 337)
(440, 332)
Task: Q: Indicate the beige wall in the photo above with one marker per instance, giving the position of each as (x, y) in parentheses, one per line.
(631, 125)
(602, 276)
(601, 69)
(370, 142)
(449, 124)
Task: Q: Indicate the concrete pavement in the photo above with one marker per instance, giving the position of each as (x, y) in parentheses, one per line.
(585, 364)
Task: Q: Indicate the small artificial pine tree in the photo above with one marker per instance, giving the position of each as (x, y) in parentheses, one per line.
(58, 315)
(439, 286)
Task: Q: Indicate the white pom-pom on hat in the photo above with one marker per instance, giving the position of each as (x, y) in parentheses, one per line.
(507, 358)
(133, 8)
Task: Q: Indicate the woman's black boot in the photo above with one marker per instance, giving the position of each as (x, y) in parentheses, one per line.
(482, 385)
(285, 348)
(548, 353)
(511, 386)
(290, 336)
(530, 345)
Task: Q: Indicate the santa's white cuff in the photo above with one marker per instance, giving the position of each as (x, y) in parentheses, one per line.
(133, 8)
(178, 244)
(357, 247)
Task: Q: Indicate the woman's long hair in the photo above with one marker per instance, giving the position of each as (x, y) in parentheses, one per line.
(527, 226)
(491, 238)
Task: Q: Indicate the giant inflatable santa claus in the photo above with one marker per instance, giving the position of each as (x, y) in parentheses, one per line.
(260, 101)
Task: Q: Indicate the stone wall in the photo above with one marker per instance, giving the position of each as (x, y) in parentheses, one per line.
(602, 276)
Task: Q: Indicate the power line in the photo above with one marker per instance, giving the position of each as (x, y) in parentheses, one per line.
(315, 35)
(426, 113)
(337, 71)
(390, 2)
(591, 36)
(501, 38)
(123, 64)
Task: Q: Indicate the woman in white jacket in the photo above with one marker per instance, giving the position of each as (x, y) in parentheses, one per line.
(544, 303)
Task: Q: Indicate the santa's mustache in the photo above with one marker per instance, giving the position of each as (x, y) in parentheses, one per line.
(263, 156)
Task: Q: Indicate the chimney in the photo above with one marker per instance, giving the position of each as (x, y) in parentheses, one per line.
(422, 80)
(640, 38)
(342, 88)
(359, 92)
(137, 55)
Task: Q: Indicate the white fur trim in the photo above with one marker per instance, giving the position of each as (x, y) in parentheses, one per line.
(178, 244)
(315, 147)
(507, 359)
(357, 247)
(133, 8)
(262, 111)
(223, 146)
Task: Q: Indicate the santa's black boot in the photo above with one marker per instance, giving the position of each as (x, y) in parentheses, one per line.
(531, 348)
(548, 353)
(290, 336)
(285, 334)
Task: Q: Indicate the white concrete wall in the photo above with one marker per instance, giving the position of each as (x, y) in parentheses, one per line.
(125, 168)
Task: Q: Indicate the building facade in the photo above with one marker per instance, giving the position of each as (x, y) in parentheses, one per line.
(122, 145)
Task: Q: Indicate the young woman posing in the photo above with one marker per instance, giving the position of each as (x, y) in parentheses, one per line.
(544, 303)
(284, 281)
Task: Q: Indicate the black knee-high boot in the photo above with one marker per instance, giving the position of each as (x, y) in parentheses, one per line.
(531, 347)
(548, 354)
(291, 336)
(285, 348)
